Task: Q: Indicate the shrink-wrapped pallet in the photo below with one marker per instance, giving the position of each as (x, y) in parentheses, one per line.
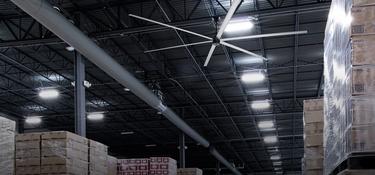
(349, 69)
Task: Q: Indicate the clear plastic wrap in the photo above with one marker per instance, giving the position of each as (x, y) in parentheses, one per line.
(349, 69)
(7, 146)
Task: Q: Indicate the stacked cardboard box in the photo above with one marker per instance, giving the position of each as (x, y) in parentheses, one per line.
(349, 81)
(64, 153)
(112, 165)
(133, 166)
(28, 153)
(163, 166)
(189, 171)
(7, 146)
(147, 166)
(313, 121)
(98, 155)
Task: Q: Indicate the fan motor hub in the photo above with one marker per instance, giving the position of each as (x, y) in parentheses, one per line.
(216, 41)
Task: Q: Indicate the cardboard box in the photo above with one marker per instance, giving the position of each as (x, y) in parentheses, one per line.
(313, 117)
(28, 153)
(163, 165)
(363, 111)
(363, 80)
(64, 161)
(7, 145)
(131, 166)
(64, 144)
(162, 172)
(28, 137)
(64, 135)
(63, 169)
(98, 154)
(362, 134)
(112, 165)
(361, 138)
(313, 172)
(313, 128)
(363, 23)
(314, 152)
(313, 140)
(363, 48)
(313, 105)
(189, 171)
(28, 170)
(363, 2)
(64, 153)
(7, 125)
(28, 162)
(313, 164)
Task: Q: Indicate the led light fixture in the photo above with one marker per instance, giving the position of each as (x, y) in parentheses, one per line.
(49, 93)
(261, 104)
(33, 120)
(253, 77)
(95, 116)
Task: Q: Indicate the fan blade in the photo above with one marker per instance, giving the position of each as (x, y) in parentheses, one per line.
(209, 55)
(167, 25)
(242, 50)
(228, 17)
(178, 46)
(264, 35)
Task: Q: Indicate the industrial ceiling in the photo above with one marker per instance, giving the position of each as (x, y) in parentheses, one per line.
(213, 99)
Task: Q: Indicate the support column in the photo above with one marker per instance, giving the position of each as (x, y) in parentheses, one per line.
(182, 144)
(218, 168)
(79, 95)
(182, 150)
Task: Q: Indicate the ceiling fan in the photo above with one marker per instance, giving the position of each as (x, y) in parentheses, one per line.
(217, 40)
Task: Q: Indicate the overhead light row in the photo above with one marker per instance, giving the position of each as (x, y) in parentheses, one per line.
(33, 120)
(53, 93)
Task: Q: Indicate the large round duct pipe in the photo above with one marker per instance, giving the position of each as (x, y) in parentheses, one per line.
(45, 14)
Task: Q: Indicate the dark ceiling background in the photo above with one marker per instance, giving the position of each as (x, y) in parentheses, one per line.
(213, 99)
